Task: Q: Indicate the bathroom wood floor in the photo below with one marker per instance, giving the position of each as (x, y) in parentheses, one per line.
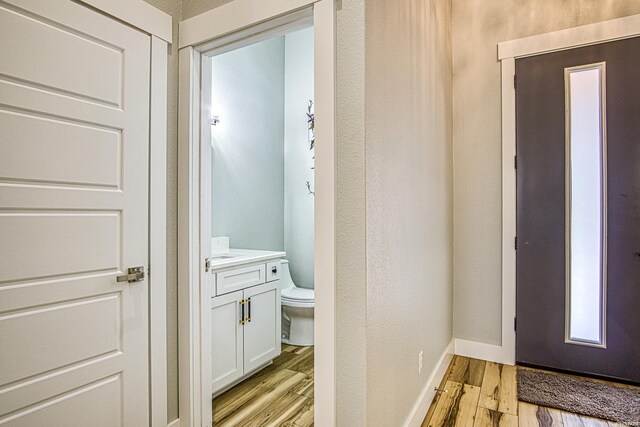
(279, 395)
(484, 394)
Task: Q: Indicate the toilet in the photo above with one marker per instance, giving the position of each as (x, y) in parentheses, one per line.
(297, 310)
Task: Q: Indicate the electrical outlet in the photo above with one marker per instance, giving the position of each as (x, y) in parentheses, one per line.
(420, 363)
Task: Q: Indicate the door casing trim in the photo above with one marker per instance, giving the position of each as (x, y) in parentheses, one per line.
(508, 52)
(157, 281)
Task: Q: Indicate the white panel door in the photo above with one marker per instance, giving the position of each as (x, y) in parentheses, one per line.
(74, 137)
(262, 329)
(226, 340)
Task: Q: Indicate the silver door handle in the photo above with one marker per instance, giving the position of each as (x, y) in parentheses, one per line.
(136, 274)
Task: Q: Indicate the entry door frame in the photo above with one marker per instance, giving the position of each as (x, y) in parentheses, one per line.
(243, 20)
(508, 52)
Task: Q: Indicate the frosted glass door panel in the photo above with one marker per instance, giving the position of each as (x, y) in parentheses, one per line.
(586, 204)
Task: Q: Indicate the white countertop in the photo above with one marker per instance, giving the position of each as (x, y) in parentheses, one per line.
(237, 257)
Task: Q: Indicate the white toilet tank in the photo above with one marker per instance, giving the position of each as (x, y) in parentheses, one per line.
(285, 275)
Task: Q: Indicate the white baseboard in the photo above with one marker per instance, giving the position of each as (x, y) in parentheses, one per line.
(421, 406)
(174, 423)
(480, 350)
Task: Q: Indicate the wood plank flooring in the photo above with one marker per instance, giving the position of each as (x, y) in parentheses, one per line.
(479, 394)
(279, 395)
(484, 394)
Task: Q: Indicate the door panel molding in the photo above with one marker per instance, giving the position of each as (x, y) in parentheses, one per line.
(508, 52)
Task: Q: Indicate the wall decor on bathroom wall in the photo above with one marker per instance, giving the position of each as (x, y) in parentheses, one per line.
(312, 139)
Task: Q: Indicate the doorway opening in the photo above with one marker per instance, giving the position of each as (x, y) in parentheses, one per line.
(233, 150)
(260, 160)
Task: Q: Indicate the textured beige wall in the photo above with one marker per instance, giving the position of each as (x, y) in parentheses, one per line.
(408, 126)
(350, 217)
(478, 26)
(192, 8)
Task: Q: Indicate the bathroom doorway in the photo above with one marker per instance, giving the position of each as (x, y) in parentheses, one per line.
(258, 233)
(260, 95)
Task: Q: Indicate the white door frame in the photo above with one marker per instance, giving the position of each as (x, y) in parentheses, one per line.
(508, 52)
(158, 233)
(236, 21)
(158, 25)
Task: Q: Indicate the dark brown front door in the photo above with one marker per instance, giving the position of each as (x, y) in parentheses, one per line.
(578, 210)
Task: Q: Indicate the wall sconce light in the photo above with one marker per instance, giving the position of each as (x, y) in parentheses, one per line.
(215, 120)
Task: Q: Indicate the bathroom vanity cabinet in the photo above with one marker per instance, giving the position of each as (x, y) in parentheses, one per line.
(245, 316)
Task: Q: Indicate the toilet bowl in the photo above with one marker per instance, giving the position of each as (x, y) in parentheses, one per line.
(297, 310)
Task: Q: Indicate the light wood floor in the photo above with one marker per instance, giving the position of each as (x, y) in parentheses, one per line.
(484, 394)
(279, 395)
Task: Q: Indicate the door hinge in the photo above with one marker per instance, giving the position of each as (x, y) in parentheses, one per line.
(515, 162)
(515, 81)
(207, 265)
(515, 323)
(515, 243)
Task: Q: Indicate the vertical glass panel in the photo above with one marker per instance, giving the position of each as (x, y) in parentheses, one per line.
(586, 204)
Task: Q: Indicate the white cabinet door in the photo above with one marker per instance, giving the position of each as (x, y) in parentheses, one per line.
(262, 333)
(74, 140)
(226, 340)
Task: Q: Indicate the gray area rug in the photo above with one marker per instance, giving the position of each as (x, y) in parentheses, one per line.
(581, 396)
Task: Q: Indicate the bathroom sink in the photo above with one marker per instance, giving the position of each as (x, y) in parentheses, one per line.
(236, 257)
(225, 256)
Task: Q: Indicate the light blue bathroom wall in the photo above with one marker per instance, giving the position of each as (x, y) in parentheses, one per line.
(247, 176)
(298, 206)
(260, 149)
